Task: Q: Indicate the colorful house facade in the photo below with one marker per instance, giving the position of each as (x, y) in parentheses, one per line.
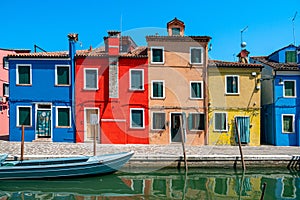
(177, 86)
(41, 92)
(234, 102)
(112, 87)
(280, 100)
(4, 88)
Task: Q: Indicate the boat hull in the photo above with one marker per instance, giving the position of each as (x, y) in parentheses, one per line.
(97, 165)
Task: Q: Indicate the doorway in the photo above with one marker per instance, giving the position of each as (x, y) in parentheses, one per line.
(43, 121)
(176, 127)
(90, 127)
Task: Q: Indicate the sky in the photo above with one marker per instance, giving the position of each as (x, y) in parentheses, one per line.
(46, 23)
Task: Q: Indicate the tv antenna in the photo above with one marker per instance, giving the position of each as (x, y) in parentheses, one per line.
(293, 20)
(243, 44)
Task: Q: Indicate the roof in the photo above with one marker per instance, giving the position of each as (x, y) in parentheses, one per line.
(291, 45)
(58, 54)
(178, 39)
(17, 50)
(275, 65)
(176, 21)
(220, 63)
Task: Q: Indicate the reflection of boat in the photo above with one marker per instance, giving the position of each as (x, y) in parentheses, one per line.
(64, 167)
(108, 185)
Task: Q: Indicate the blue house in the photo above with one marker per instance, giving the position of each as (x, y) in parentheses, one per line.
(280, 100)
(41, 93)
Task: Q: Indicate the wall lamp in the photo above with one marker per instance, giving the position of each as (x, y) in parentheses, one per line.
(280, 81)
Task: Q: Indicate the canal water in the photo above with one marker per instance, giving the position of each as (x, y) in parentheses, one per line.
(198, 183)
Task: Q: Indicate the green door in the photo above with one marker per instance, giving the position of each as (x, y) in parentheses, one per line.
(43, 124)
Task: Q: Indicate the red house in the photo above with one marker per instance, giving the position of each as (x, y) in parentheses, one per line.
(111, 94)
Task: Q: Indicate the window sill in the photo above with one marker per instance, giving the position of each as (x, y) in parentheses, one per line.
(157, 63)
(23, 84)
(196, 98)
(136, 90)
(158, 98)
(232, 94)
(91, 89)
(223, 131)
(62, 85)
(137, 128)
(25, 126)
(63, 127)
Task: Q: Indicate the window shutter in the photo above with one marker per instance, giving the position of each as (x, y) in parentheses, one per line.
(62, 75)
(24, 74)
(291, 56)
(201, 122)
(63, 117)
(190, 121)
(24, 116)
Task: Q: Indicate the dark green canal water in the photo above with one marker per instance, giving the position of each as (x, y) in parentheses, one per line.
(163, 184)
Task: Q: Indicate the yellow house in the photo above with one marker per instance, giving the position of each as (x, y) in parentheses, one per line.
(234, 102)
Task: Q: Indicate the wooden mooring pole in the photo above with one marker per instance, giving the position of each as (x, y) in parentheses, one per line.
(263, 191)
(240, 145)
(183, 143)
(22, 144)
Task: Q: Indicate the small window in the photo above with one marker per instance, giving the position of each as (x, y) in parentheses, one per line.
(232, 84)
(289, 88)
(196, 121)
(62, 75)
(290, 56)
(24, 74)
(175, 31)
(63, 117)
(158, 89)
(91, 79)
(5, 89)
(196, 54)
(5, 63)
(23, 116)
(137, 79)
(196, 90)
(157, 55)
(137, 118)
(220, 122)
(158, 121)
(288, 123)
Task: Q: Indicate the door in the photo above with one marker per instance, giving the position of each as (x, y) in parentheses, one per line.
(43, 123)
(243, 125)
(176, 127)
(91, 128)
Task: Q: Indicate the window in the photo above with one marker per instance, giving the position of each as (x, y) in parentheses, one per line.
(23, 115)
(289, 88)
(136, 79)
(220, 122)
(137, 118)
(62, 75)
(157, 55)
(24, 74)
(63, 117)
(158, 121)
(5, 63)
(5, 89)
(196, 54)
(196, 121)
(175, 31)
(291, 56)
(158, 89)
(232, 84)
(91, 79)
(288, 123)
(196, 90)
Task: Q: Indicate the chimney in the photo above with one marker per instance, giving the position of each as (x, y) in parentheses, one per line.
(243, 56)
(112, 43)
(73, 38)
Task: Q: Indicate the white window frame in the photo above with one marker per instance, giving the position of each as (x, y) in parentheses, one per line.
(163, 54)
(143, 79)
(143, 110)
(202, 52)
(196, 113)
(17, 74)
(293, 125)
(191, 92)
(152, 124)
(238, 82)
(56, 78)
(5, 63)
(295, 89)
(56, 117)
(5, 83)
(17, 122)
(84, 82)
(226, 128)
(158, 81)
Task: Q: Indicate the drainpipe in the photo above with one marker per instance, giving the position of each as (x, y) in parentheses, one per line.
(73, 38)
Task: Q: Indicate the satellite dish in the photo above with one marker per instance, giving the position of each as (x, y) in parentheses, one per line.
(244, 44)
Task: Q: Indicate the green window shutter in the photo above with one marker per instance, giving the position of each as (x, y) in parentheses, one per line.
(63, 117)
(289, 88)
(137, 118)
(63, 75)
(190, 121)
(196, 90)
(157, 89)
(24, 74)
(291, 56)
(157, 55)
(24, 116)
(288, 124)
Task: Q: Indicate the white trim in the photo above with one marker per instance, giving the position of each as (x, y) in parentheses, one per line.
(163, 83)
(163, 56)
(221, 130)
(238, 83)
(113, 120)
(188, 121)
(84, 82)
(143, 114)
(85, 122)
(130, 86)
(202, 95)
(56, 84)
(17, 122)
(293, 125)
(152, 117)
(295, 89)
(56, 117)
(201, 56)
(17, 74)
